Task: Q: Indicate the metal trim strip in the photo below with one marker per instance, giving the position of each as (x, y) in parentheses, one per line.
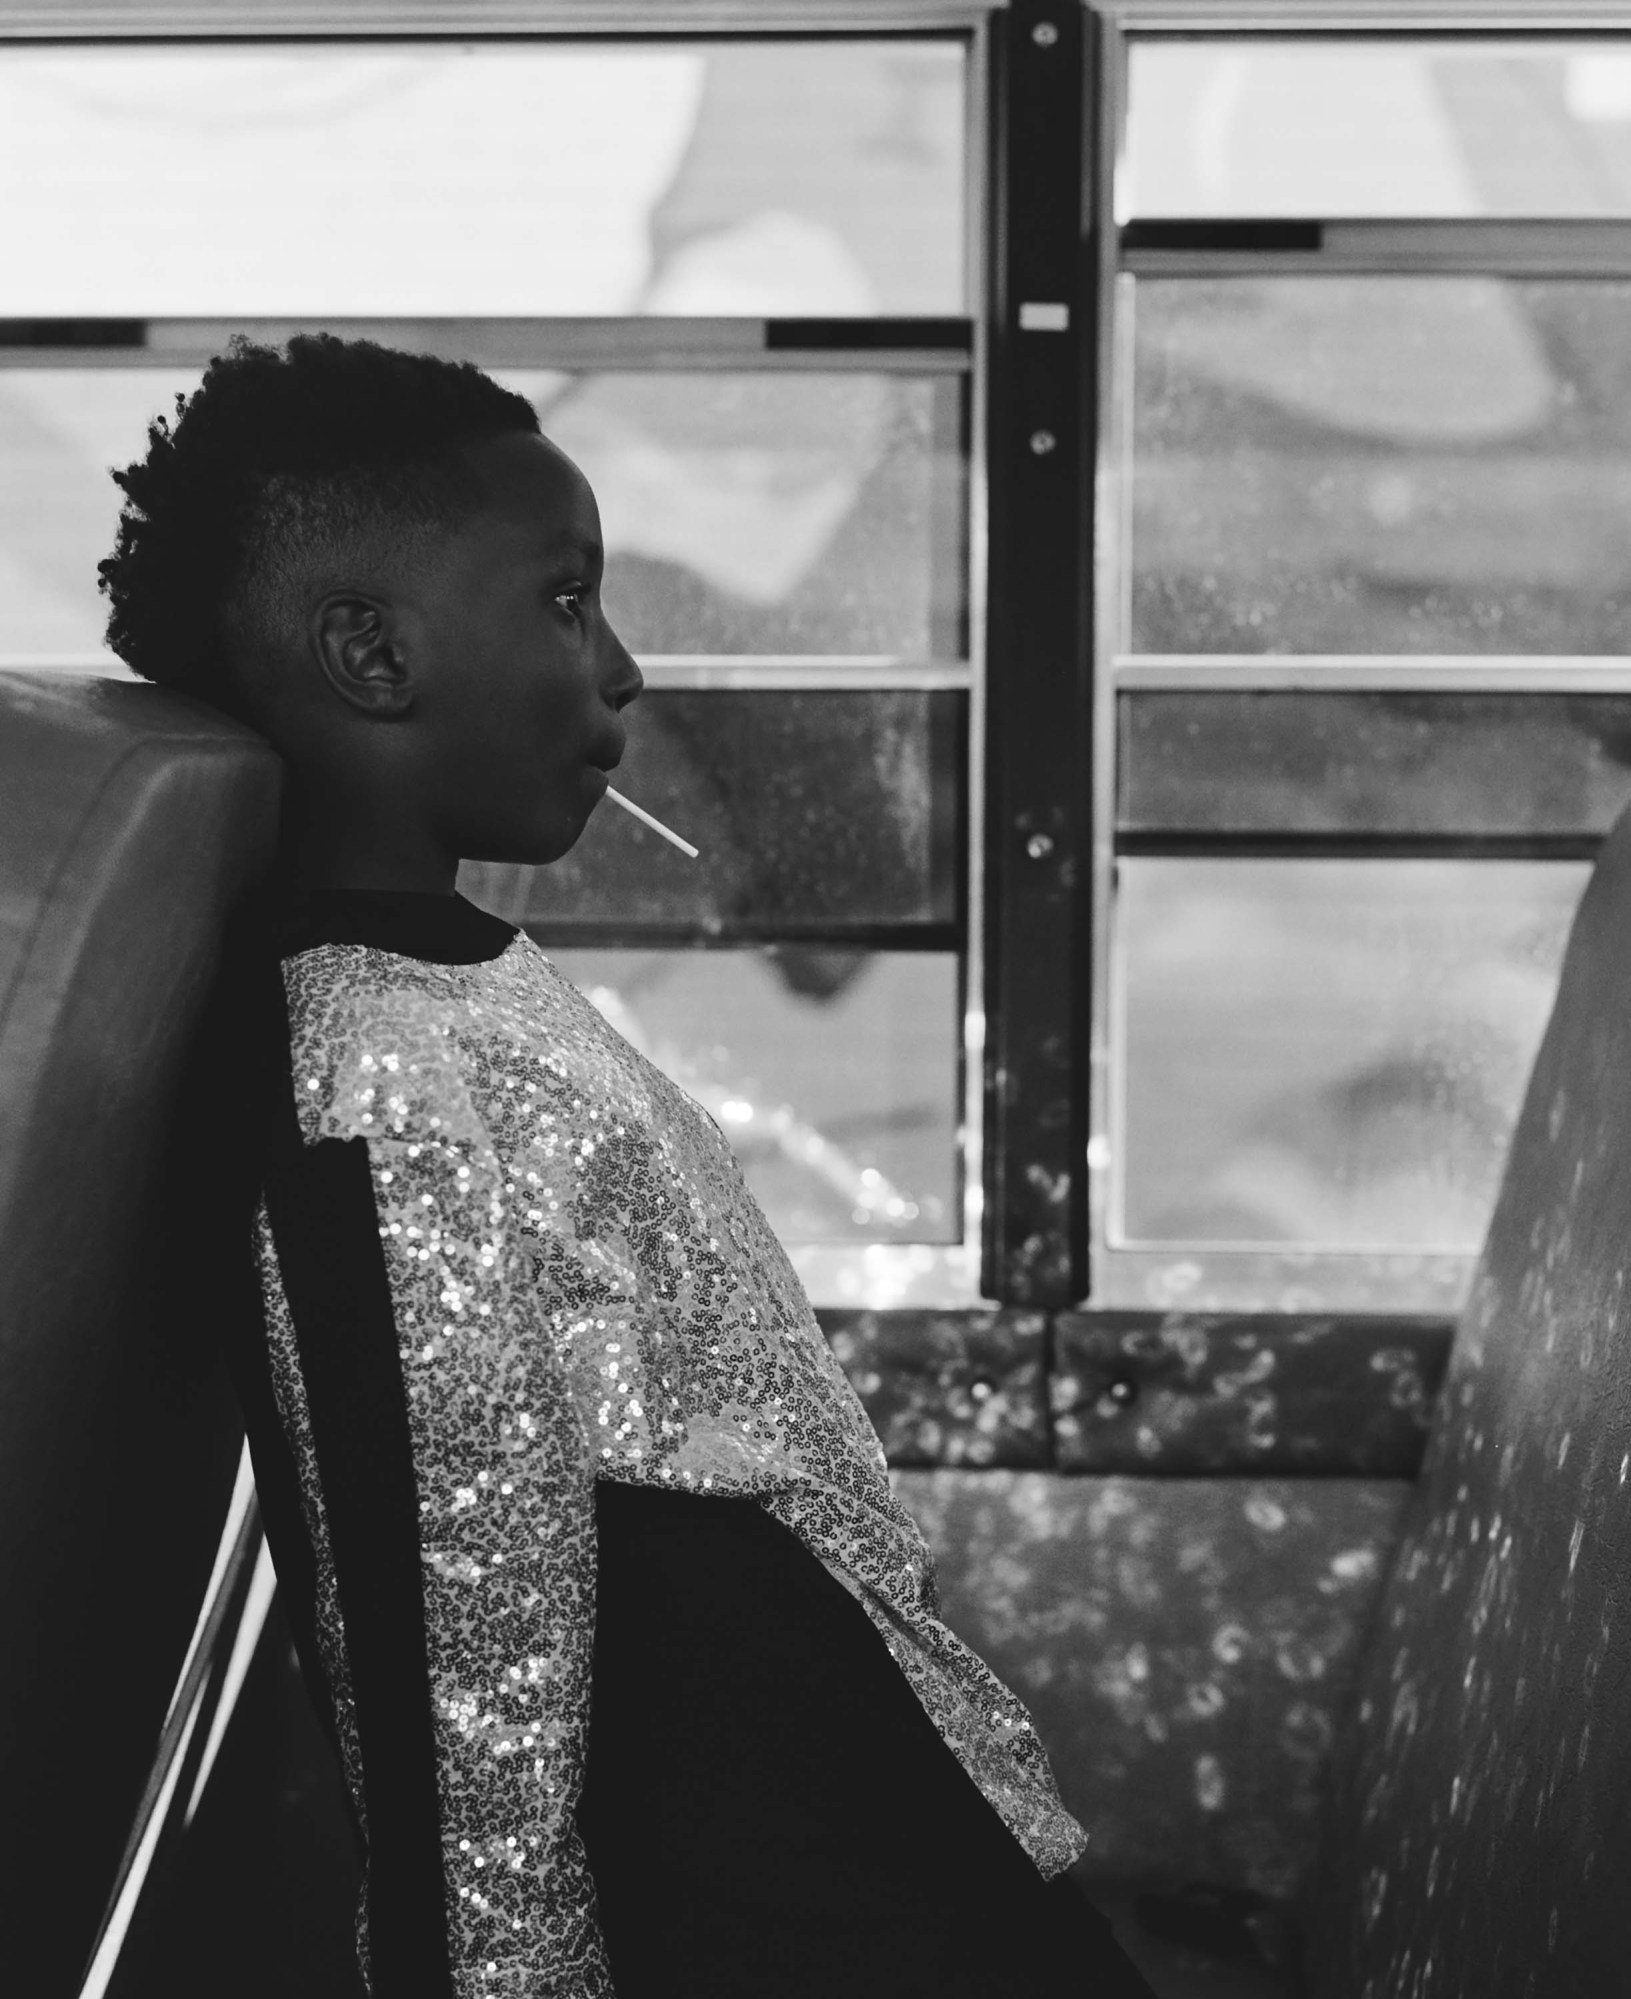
(1038, 836)
(1328, 17)
(809, 676)
(1404, 246)
(601, 346)
(220, 20)
(978, 252)
(839, 673)
(1351, 673)
(1317, 844)
(1110, 537)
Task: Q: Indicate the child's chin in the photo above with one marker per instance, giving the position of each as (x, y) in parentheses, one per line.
(561, 842)
(557, 852)
(534, 848)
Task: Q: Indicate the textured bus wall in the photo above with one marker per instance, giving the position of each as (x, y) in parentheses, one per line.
(1185, 1646)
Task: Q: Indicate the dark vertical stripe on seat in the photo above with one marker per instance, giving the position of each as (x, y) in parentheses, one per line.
(240, 1059)
(277, 1486)
(325, 1225)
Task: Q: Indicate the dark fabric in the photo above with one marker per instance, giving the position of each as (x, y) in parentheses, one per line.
(242, 1056)
(767, 1808)
(444, 929)
(326, 1230)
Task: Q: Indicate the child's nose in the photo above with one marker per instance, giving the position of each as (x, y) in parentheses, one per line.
(625, 677)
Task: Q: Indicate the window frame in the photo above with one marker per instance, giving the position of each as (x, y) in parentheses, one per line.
(877, 1275)
(1046, 541)
(1288, 1280)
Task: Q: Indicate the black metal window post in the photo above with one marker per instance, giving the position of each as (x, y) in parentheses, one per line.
(1039, 709)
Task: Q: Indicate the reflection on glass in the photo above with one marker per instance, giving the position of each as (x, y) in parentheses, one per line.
(1366, 763)
(780, 513)
(478, 178)
(1280, 127)
(814, 812)
(834, 1073)
(777, 512)
(1381, 465)
(1328, 1054)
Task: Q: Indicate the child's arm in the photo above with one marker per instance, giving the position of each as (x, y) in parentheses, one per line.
(504, 1492)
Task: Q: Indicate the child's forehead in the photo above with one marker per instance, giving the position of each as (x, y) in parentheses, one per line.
(535, 491)
(536, 504)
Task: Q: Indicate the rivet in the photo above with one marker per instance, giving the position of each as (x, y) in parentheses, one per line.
(1042, 442)
(1039, 846)
(1044, 34)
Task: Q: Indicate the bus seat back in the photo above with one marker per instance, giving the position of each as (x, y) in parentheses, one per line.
(131, 821)
(1479, 1830)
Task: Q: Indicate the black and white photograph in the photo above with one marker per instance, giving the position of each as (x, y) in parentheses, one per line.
(815, 999)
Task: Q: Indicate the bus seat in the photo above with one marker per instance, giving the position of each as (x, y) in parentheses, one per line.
(1478, 1836)
(131, 823)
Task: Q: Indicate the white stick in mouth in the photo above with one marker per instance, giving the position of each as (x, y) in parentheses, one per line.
(646, 819)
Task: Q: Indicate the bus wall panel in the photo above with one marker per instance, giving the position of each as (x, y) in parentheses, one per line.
(949, 1388)
(1190, 1394)
(1186, 1648)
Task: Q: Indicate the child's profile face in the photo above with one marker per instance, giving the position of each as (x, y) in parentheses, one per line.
(518, 676)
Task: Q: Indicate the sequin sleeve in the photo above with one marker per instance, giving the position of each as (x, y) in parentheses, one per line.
(505, 1490)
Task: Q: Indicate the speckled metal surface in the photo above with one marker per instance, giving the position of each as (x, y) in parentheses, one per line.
(948, 1388)
(1184, 1647)
(1189, 1393)
(1481, 1838)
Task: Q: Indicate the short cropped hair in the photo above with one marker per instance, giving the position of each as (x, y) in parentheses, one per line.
(326, 458)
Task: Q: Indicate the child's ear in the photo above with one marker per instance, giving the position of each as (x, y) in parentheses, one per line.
(351, 638)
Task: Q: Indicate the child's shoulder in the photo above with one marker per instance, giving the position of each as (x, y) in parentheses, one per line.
(355, 1006)
(332, 986)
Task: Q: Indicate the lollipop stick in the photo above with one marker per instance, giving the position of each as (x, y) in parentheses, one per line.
(646, 819)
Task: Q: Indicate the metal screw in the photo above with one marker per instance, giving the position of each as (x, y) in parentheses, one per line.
(1115, 1396)
(1039, 846)
(1044, 34)
(1042, 442)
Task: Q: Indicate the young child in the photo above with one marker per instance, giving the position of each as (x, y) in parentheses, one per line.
(630, 1654)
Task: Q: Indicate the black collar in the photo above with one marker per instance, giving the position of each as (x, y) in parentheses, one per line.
(443, 929)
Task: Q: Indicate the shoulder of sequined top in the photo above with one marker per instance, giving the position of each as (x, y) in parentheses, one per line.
(361, 1018)
(372, 1039)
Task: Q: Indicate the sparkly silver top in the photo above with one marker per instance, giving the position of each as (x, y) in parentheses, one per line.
(582, 1287)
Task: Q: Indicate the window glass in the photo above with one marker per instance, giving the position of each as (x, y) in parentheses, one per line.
(1381, 465)
(483, 177)
(1363, 763)
(814, 813)
(1327, 1053)
(1271, 128)
(834, 1073)
(780, 512)
(60, 432)
(774, 512)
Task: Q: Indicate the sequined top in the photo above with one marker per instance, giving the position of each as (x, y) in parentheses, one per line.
(580, 1286)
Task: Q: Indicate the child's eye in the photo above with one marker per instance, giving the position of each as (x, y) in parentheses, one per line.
(572, 599)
